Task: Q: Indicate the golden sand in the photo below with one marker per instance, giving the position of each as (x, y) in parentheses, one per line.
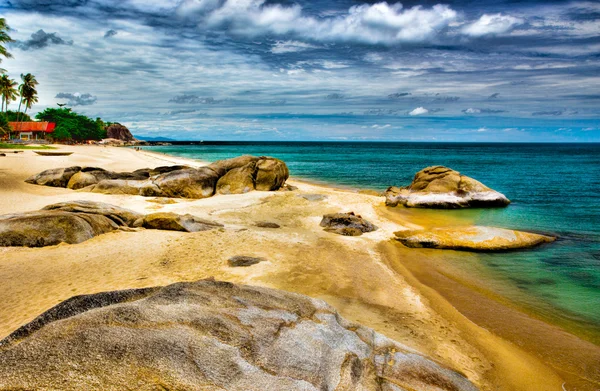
(369, 279)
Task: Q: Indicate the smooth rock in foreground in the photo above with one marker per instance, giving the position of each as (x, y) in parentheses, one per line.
(347, 224)
(443, 188)
(473, 238)
(209, 335)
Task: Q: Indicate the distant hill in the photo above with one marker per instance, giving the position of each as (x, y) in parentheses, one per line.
(147, 138)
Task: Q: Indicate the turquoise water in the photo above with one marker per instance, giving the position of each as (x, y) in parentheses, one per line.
(553, 188)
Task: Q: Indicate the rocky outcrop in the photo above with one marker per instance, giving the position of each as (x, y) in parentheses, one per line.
(444, 188)
(210, 335)
(232, 176)
(78, 221)
(475, 238)
(347, 224)
(119, 132)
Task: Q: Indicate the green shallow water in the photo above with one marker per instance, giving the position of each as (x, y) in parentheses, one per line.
(553, 188)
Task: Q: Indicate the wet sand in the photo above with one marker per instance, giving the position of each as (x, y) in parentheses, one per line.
(369, 279)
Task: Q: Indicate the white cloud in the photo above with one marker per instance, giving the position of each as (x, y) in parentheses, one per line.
(379, 23)
(281, 47)
(472, 111)
(484, 129)
(491, 24)
(419, 111)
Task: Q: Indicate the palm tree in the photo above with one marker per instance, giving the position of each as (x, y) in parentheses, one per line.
(7, 91)
(4, 38)
(28, 92)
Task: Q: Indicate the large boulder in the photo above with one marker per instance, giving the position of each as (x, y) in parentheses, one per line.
(271, 174)
(174, 222)
(210, 335)
(48, 228)
(188, 183)
(121, 216)
(475, 238)
(347, 224)
(442, 187)
(55, 177)
(77, 221)
(238, 180)
(119, 132)
(145, 187)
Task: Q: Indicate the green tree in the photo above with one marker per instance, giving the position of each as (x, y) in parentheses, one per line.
(27, 91)
(71, 125)
(11, 116)
(4, 38)
(4, 126)
(7, 91)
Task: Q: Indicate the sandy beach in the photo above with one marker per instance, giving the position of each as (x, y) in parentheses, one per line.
(402, 293)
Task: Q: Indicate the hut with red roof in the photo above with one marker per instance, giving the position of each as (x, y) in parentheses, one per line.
(32, 130)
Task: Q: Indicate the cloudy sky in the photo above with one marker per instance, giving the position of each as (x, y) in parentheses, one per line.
(481, 70)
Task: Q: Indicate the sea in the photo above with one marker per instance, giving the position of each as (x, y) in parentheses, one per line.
(554, 188)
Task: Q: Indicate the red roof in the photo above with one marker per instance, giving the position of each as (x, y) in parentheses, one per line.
(46, 127)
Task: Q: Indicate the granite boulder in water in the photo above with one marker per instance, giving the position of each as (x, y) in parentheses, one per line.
(210, 335)
(443, 188)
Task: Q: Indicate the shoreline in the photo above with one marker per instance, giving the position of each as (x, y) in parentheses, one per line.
(365, 282)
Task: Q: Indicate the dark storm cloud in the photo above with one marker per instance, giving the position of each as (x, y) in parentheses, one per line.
(494, 95)
(334, 96)
(42, 39)
(110, 33)
(77, 99)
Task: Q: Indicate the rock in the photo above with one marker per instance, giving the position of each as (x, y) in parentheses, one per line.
(121, 216)
(81, 180)
(244, 261)
(347, 224)
(271, 174)
(77, 221)
(473, 238)
(231, 176)
(238, 180)
(442, 187)
(132, 187)
(267, 224)
(210, 335)
(48, 228)
(175, 222)
(188, 183)
(55, 177)
(2, 154)
(119, 132)
(221, 167)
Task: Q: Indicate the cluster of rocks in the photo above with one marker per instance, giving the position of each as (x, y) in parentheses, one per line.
(232, 176)
(347, 224)
(442, 187)
(78, 221)
(210, 335)
(474, 238)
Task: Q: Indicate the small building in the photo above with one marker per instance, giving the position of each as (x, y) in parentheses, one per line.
(31, 130)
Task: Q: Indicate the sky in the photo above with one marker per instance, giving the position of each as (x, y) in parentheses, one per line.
(487, 70)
